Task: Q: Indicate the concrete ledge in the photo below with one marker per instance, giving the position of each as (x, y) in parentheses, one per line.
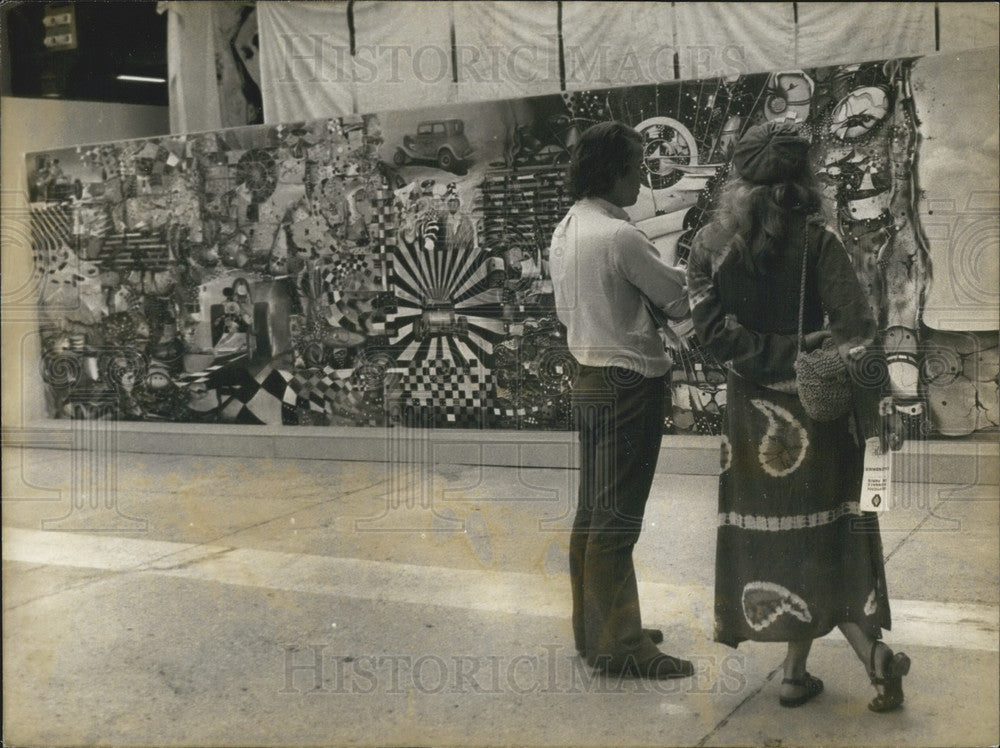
(970, 461)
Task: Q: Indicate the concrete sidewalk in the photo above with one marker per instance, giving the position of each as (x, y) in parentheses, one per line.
(169, 600)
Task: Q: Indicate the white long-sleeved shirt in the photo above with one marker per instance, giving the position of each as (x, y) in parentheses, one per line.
(602, 267)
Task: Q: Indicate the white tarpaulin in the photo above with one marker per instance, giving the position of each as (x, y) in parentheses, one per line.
(606, 45)
(734, 38)
(305, 60)
(843, 33)
(968, 25)
(402, 54)
(506, 50)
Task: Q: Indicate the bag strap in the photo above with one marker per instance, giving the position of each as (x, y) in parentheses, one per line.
(802, 283)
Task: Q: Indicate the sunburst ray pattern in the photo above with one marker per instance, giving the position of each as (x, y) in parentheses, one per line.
(445, 310)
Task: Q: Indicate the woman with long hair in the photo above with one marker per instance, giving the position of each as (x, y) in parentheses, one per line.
(795, 556)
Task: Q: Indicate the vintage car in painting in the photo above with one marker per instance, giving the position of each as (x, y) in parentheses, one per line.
(440, 141)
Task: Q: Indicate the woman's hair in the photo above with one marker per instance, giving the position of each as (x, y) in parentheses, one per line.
(758, 216)
(599, 157)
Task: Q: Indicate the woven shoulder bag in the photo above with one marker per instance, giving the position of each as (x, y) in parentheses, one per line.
(821, 376)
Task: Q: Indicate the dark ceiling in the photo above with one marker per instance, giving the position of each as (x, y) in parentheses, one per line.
(114, 38)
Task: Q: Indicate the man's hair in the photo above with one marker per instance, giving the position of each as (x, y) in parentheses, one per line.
(600, 157)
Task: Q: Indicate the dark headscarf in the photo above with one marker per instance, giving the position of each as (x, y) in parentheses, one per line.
(771, 153)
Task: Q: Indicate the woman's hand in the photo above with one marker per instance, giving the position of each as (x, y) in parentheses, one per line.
(851, 354)
(893, 432)
(813, 340)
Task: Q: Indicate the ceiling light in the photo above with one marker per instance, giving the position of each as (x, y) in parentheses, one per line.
(141, 79)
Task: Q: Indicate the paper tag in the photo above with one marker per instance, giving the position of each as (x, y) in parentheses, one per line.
(876, 482)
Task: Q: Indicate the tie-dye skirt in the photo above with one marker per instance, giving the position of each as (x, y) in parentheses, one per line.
(795, 556)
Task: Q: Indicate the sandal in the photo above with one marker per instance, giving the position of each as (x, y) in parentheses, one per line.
(894, 667)
(813, 687)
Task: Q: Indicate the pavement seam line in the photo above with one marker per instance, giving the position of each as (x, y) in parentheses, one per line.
(932, 512)
(142, 566)
(725, 720)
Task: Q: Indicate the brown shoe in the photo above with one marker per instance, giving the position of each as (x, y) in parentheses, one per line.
(655, 635)
(659, 667)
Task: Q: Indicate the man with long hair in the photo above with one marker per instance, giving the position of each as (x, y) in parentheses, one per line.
(607, 276)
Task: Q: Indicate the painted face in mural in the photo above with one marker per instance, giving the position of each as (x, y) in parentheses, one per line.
(157, 380)
(241, 290)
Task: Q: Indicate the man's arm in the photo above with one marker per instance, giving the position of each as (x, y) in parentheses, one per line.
(639, 262)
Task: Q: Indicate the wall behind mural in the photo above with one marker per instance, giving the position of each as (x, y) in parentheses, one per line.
(393, 267)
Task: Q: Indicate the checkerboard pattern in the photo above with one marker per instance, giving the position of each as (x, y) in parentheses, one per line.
(209, 374)
(335, 273)
(385, 216)
(458, 394)
(316, 389)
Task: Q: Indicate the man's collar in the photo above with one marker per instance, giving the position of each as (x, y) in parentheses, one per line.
(606, 207)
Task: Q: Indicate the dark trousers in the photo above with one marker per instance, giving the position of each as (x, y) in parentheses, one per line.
(619, 417)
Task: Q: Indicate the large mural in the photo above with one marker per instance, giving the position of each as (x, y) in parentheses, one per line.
(393, 267)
